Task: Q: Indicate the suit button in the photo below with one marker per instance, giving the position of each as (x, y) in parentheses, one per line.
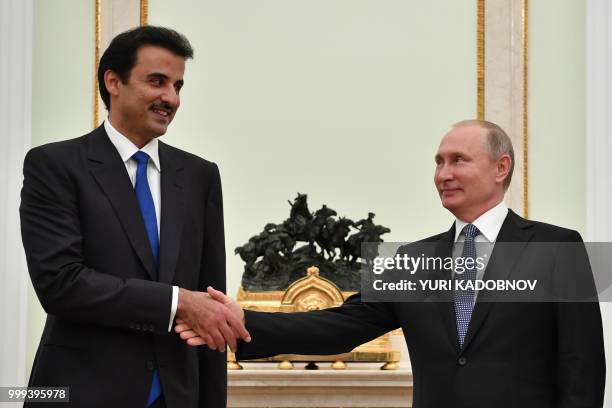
(462, 361)
(150, 365)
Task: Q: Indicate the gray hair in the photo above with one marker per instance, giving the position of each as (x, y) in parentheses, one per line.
(498, 143)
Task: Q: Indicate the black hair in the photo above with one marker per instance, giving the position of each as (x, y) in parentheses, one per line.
(120, 56)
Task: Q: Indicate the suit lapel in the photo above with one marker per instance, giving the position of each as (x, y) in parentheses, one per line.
(109, 172)
(514, 230)
(172, 212)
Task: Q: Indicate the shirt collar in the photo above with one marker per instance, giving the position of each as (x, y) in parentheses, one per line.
(488, 223)
(126, 148)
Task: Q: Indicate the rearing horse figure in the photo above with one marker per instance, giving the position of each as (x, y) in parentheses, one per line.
(333, 235)
(318, 229)
(368, 232)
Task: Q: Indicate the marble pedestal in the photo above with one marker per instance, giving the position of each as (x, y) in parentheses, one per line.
(359, 385)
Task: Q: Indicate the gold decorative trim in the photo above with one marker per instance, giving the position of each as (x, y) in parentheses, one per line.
(98, 37)
(480, 60)
(144, 12)
(144, 19)
(480, 75)
(525, 28)
(313, 292)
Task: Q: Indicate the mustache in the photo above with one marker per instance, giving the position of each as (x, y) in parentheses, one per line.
(162, 106)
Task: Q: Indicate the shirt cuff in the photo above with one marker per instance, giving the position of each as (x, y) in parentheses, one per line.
(174, 306)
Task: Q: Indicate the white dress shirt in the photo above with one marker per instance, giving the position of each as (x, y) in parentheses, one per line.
(126, 150)
(489, 224)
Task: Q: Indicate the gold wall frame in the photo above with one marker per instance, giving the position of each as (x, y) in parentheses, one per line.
(525, 27)
(480, 76)
(144, 12)
(98, 39)
(480, 61)
(481, 80)
(143, 19)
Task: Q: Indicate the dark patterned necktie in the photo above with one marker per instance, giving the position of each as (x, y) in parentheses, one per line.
(464, 299)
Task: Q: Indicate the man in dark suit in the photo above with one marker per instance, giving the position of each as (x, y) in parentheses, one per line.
(465, 349)
(122, 233)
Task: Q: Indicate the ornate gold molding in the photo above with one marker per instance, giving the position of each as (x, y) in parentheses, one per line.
(144, 12)
(480, 59)
(314, 292)
(525, 28)
(98, 39)
(487, 107)
(143, 18)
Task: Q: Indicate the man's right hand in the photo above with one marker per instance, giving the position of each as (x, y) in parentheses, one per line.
(212, 320)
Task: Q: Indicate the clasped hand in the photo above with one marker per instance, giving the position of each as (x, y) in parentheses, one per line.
(211, 319)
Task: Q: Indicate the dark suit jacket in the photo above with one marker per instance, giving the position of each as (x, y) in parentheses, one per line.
(529, 354)
(91, 265)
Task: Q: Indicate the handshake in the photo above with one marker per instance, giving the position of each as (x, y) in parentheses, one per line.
(211, 319)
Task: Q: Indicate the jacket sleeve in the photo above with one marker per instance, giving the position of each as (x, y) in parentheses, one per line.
(330, 331)
(581, 366)
(65, 285)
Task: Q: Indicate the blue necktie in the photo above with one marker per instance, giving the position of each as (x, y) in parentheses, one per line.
(464, 299)
(147, 208)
